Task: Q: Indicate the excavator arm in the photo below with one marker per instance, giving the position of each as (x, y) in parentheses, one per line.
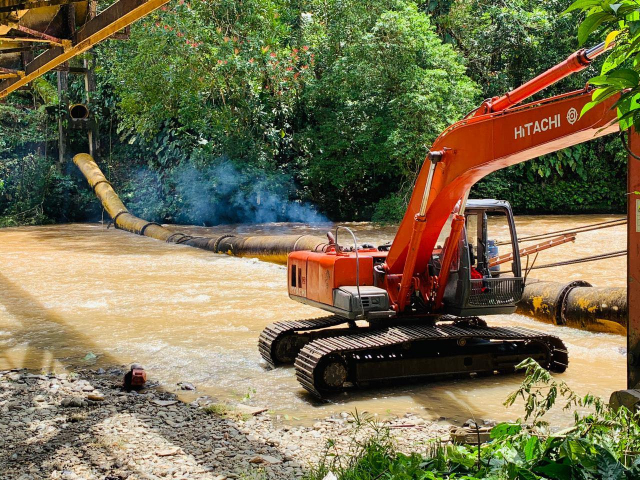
(496, 136)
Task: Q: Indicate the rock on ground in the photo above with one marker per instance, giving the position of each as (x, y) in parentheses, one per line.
(83, 426)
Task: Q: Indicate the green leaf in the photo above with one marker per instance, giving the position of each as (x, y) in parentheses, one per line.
(608, 466)
(531, 448)
(526, 474)
(626, 123)
(599, 80)
(555, 471)
(591, 23)
(582, 5)
(616, 57)
(505, 429)
(614, 8)
(599, 96)
(625, 77)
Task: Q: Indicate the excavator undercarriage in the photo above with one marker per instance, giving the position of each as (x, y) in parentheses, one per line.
(329, 360)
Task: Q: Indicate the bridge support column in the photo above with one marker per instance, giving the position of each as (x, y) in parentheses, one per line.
(633, 262)
(630, 398)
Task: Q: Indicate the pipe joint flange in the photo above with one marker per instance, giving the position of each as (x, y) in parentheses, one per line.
(170, 237)
(218, 240)
(185, 238)
(142, 230)
(115, 219)
(295, 245)
(104, 180)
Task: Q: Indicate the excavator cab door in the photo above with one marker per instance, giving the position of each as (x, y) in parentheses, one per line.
(480, 286)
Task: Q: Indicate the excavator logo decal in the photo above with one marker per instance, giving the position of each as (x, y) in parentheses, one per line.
(538, 126)
(572, 116)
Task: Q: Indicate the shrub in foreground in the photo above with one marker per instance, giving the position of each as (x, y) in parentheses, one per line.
(601, 444)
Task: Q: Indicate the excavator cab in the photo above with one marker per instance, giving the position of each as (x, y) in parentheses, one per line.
(477, 285)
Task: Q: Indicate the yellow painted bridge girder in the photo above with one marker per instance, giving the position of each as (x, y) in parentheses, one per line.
(118, 16)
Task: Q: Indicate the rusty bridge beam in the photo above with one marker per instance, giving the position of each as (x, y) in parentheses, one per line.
(113, 19)
(6, 51)
(13, 5)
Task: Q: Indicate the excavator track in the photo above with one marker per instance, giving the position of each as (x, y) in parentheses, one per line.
(329, 365)
(280, 342)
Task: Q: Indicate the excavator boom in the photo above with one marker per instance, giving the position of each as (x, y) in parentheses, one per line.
(477, 146)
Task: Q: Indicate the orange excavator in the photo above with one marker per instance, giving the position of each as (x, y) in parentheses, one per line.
(412, 309)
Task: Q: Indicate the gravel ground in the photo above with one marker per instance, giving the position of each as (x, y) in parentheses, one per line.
(85, 426)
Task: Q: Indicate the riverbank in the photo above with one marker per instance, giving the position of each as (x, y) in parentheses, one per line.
(83, 425)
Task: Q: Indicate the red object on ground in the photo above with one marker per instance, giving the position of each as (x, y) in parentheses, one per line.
(135, 378)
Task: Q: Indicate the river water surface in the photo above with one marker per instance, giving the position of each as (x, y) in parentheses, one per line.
(68, 292)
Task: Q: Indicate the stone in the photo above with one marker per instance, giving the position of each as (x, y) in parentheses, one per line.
(95, 397)
(186, 386)
(87, 388)
(164, 403)
(72, 402)
(267, 459)
(626, 398)
(167, 452)
(472, 423)
(250, 410)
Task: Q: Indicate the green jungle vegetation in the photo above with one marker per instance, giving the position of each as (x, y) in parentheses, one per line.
(601, 444)
(219, 111)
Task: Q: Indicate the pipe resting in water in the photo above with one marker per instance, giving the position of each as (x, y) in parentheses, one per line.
(576, 304)
(268, 248)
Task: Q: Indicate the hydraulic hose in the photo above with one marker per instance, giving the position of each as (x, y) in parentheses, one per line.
(268, 248)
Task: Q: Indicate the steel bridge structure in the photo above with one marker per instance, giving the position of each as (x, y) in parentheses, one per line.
(38, 36)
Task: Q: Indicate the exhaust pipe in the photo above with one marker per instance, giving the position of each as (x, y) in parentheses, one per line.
(274, 249)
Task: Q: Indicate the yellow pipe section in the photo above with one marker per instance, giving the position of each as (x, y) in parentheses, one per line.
(268, 248)
(577, 305)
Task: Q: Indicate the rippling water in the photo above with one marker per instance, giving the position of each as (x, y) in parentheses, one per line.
(189, 315)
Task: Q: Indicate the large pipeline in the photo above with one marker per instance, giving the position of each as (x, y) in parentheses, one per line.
(577, 305)
(268, 248)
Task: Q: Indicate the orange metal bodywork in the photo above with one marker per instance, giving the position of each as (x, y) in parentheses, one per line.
(318, 274)
(495, 136)
(473, 148)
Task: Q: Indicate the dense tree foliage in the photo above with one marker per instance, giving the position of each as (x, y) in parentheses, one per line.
(263, 110)
(619, 25)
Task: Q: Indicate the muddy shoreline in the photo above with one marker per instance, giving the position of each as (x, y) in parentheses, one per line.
(83, 425)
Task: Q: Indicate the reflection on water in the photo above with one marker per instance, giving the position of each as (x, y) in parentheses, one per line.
(189, 315)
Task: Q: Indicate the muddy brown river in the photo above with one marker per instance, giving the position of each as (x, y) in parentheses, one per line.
(69, 292)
